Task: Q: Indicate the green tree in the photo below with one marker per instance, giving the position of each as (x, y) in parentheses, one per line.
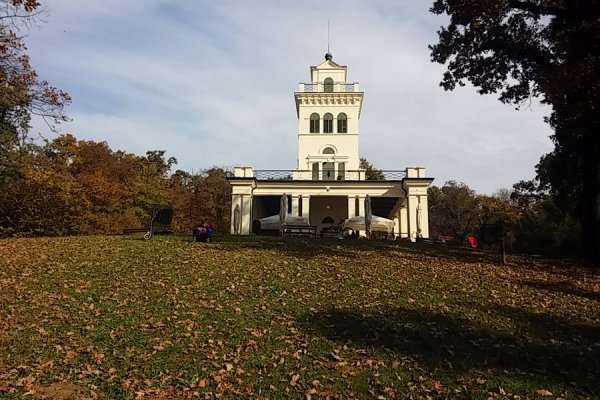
(537, 48)
(372, 174)
(453, 210)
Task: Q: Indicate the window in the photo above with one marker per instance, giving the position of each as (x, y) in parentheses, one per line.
(328, 123)
(328, 85)
(315, 171)
(328, 150)
(328, 220)
(342, 123)
(314, 123)
(328, 171)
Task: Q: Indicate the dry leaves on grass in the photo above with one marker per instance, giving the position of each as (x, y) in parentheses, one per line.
(286, 319)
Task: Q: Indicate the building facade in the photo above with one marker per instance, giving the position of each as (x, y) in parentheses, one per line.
(327, 186)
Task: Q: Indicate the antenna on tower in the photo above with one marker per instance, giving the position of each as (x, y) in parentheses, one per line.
(328, 55)
(328, 36)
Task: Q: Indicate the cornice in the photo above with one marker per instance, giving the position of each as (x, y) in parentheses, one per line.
(328, 98)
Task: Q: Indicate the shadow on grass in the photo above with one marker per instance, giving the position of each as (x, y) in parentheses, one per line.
(562, 287)
(302, 246)
(454, 252)
(310, 247)
(453, 345)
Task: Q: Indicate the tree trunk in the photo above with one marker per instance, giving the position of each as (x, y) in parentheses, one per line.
(590, 202)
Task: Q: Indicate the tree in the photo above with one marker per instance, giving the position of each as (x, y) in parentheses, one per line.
(453, 210)
(372, 173)
(537, 48)
(22, 94)
(203, 195)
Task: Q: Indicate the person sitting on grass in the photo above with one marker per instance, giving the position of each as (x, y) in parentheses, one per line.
(202, 232)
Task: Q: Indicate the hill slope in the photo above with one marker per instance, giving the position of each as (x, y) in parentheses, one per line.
(270, 318)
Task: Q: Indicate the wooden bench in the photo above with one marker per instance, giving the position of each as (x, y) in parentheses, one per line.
(444, 239)
(330, 233)
(299, 230)
(129, 231)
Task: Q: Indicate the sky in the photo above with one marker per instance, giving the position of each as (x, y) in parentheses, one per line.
(212, 83)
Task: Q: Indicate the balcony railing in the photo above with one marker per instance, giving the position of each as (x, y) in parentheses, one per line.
(308, 175)
(339, 87)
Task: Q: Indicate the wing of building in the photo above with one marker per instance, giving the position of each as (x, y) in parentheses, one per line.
(328, 185)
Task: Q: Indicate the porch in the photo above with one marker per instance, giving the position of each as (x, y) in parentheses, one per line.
(325, 203)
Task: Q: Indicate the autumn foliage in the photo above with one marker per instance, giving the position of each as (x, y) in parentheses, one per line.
(68, 187)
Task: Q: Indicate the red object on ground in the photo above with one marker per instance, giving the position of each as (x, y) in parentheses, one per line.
(472, 241)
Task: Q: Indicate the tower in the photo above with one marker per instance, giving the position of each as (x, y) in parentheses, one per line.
(328, 110)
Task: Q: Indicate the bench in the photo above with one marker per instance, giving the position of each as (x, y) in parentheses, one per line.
(299, 230)
(330, 233)
(129, 231)
(161, 215)
(444, 239)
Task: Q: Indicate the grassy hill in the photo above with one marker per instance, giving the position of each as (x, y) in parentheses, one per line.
(118, 317)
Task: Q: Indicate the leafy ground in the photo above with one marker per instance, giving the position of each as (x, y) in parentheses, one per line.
(118, 317)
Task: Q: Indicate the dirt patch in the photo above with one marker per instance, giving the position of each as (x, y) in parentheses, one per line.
(59, 391)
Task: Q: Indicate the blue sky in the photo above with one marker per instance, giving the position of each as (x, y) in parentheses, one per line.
(212, 82)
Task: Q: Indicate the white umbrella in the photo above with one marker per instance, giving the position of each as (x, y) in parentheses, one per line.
(274, 221)
(368, 216)
(378, 224)
(283, 207)
(236, 219)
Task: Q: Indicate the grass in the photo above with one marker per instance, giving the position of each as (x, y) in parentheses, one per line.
(119, 317)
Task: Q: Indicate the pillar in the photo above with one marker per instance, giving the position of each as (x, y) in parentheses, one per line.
(306, 206)
(424, 216)
(295, 205)
(351, 206)
(403, 217)
(246, 214)
(235, 200)
(413, 201)
(361, 206)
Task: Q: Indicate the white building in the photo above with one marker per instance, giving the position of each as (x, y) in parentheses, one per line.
(328, 184)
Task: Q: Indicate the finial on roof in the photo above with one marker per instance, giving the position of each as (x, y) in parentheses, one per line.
(328, 55)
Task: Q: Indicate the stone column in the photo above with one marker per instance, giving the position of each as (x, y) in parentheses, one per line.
(306, 206)
(246, 214)
(351, 206)
(424, 217)
(413, 201)
(361, 206)
(295, 205)
(235, 200)
(403, 217)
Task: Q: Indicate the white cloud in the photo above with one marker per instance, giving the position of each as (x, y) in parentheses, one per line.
(212, 83)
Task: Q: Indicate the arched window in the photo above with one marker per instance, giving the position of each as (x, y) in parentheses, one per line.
(342, 123)
(328, 150)
(328, 220)
(328, 85)
(314, 123)
(328, 123)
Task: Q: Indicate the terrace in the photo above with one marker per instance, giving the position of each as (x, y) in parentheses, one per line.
(334, 87)
(324, 175)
